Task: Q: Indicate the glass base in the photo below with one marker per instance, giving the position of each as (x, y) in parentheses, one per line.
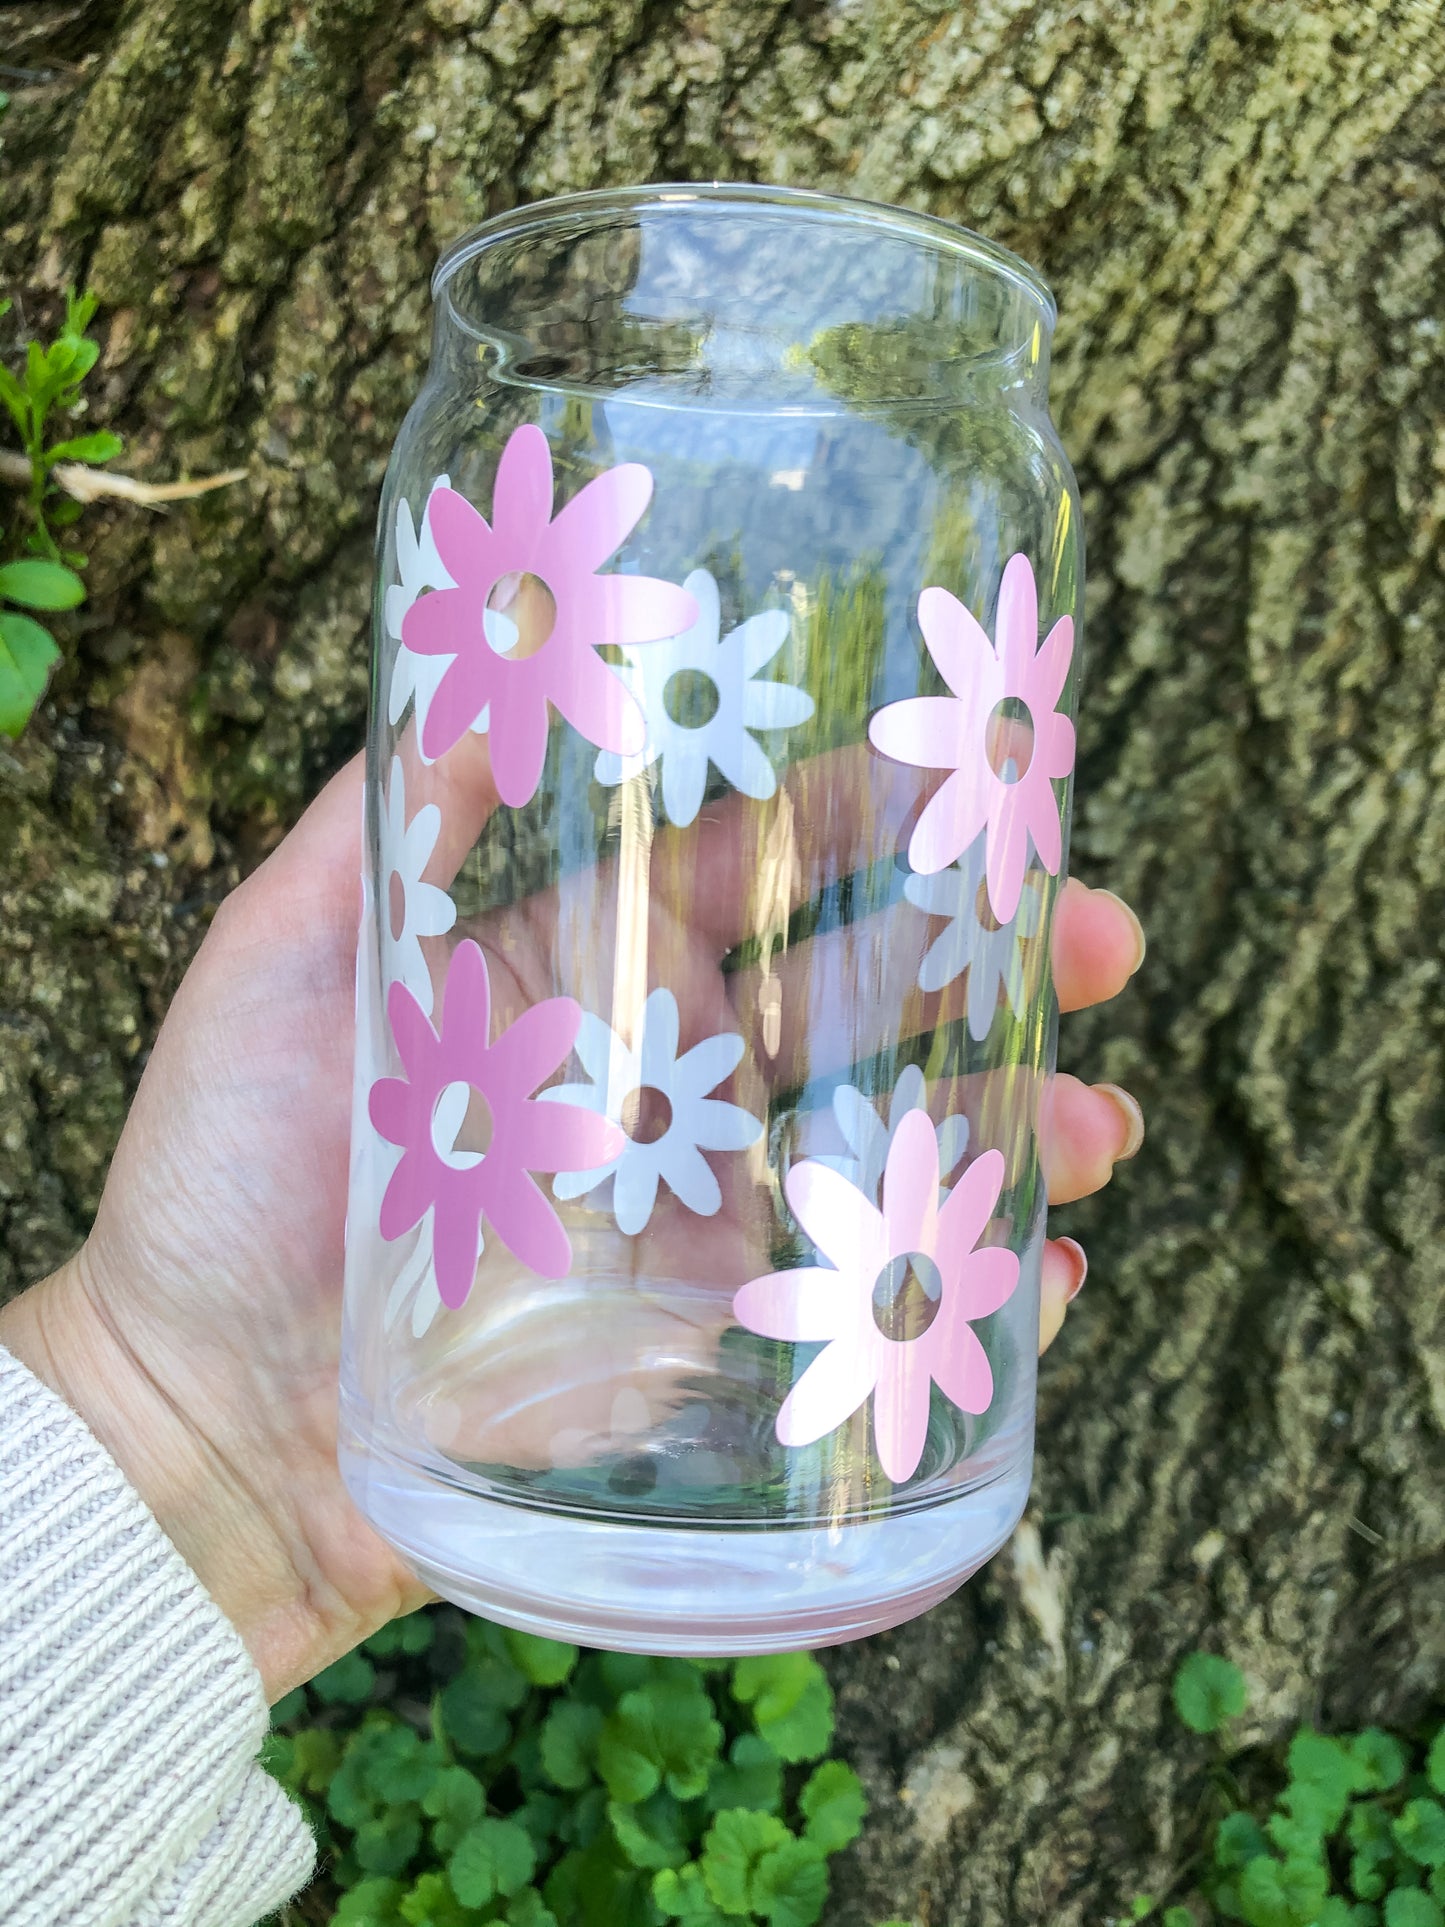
(639, 1588)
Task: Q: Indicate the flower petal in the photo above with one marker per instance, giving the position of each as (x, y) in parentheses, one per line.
(592, 527)
(457, 1235)
(910, 1185)
(529, 1050)
(1008, 855)
(463, 541)
(684, 776)
(518, 735)
(965, 1216)
(759, 639)
(560, 1137)
(657, 1052)
(719, 1126)
(743, 761)
(961, 1368)
(930, 732)
(471, 682)
(525, 1221)
(900, 1409)
(634, 1189)
(1050, 670)
(959, 646)
(804, 1304)
(989, 1279)
(953, 818)
(841, 1222)
(704, 1067)
(629, 609)
(831, 1390)
(689, 1176)
(775, 705)
(521, 503)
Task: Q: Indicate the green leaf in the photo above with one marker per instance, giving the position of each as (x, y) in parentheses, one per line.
(734, 1844)
(584, 1818)
(1178, 1917)
(347, 1682)
(16, 404)
(493, 1857)
(834, 1804)
(470, 1716)
(528, 1909)
(1296, 1839)
(97, 448)
(569, 1743)
(1344, 1913)
(1239, 1840)
(409, 1636)
(1420, 1832)
(1378, 1759)
(372, 1903)
(1411, 1907)
(315, 1757)
(1366, 1880)
(1208, 1691)
(27, 655)
(545, 1662)
(454, 1801)
(1326, 1766)
(650, 1835)
(541, 1814)
(40, 585)
(389, 1843)
(1282, 1894)
(291, 1705)
(1435, 1763)
(663, 1733)
(790, 1885)
(791, 1701)
(431, 1903)
(751, 1776)
(683, 1895)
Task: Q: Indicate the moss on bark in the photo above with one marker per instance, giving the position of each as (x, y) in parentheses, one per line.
(1241, 207)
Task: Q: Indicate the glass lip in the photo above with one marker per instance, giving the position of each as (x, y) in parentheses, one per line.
(930, 230)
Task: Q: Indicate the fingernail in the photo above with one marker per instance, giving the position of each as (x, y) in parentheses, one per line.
(1081, 1267)
(1133, 1121)
(1141, 942)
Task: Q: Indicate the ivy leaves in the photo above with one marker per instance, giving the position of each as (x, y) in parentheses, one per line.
(548, 1788)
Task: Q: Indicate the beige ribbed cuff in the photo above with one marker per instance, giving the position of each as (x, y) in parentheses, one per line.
(130, 1711)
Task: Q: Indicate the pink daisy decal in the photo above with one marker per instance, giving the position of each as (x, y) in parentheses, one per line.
(999, 733)
(895, 1312)
(471, 1131)
(521, 645)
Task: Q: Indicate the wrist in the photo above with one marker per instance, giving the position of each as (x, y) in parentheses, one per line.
(61, 1332)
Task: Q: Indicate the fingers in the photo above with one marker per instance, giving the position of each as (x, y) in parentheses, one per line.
(1098, 945)
(1084, 1131)
(1064, 1269)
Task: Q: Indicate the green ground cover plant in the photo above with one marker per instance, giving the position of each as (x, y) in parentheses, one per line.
(1355, 1836)
(517, 1780)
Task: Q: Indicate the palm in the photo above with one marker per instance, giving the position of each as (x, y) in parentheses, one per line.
(216, 1259)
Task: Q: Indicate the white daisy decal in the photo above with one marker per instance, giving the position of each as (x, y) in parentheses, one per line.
(974, 940)
(413, 677)
(410, 909)
(702, 699)
(869, 1139)
(662, 1102)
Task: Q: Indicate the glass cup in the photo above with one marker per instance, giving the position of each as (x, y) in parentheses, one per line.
(717, 804)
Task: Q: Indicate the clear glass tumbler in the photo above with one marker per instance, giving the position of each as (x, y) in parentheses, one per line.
(717, 804)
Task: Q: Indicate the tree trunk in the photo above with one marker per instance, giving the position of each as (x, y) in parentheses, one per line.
(1240, 207)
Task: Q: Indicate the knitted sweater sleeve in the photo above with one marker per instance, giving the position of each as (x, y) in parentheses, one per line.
(130, 1711)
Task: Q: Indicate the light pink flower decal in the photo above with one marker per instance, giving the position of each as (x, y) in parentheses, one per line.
(913, 1267)
(954, 733)
(486, 562)
(447, 1072)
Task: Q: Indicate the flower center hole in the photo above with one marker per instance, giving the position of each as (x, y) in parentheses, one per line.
(646, 1114)
(520, 615)
(461, 1126)
(1009, 739)
(983, 910)
(396, 905)
(907, 1294)
(690, 698)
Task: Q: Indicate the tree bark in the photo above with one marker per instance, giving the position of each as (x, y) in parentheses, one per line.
(1240, 207)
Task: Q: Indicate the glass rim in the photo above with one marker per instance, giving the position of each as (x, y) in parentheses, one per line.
(930, 230)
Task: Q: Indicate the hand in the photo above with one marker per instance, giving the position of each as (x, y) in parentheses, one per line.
(197, 1329)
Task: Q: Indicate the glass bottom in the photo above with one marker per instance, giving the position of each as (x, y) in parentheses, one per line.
(670, 1589)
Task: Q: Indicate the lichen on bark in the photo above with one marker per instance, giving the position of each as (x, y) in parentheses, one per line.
(1241, 208)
